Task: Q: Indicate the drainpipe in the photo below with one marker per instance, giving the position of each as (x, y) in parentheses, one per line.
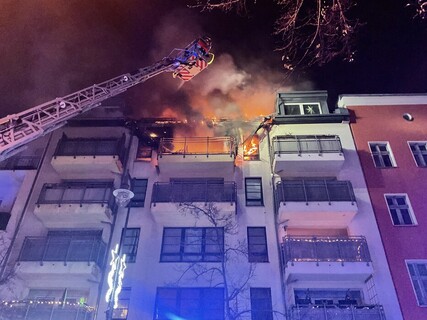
(24, 209)
(275, 208)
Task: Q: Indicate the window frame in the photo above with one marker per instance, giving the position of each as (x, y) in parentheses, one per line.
(183, 294)
(418, 152)
(411, 213)
(261, 313)
(301, 108)
(255, 257)
(138, 200)
(419, 279)
(124, 296)
(186, 256)
(132, 253)
(380, 154)
(256, 202)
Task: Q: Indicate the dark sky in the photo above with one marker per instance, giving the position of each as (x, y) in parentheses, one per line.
(52, 48)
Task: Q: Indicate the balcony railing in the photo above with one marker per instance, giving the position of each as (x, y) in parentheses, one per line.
(20, 163)
(330, 249)
(314, 190)
(77, 193)
(332, 312)
(74, 147)
(63, 249)
(194, 192)
(306, 144)
(46, 310)
(198, 146)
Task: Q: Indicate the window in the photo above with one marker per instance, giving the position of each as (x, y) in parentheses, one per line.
(139, 188)
(192, 244)
(302, 108)
(419, 151)
(253, 192)
(257, 244)
(4, 219)
(418, 274)
(189, 303)
(400, 210)
(129, 243)
(261, 307)
(121, 312)
(381, 153)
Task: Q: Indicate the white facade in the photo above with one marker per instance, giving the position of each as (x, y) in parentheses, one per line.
(215, 168)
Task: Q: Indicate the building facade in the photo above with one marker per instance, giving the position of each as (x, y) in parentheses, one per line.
(390, 136)
(272, 224)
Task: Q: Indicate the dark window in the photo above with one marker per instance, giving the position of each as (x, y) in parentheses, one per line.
(302, 108)
(121, 312)
(419, 151)
(257, 244)
(381, 154)
(400, 211)
(189, 303)
(192, 244)
(261, 306)
(139, 188)
(418, 274)
(253, 191)
(4, 220)
(130, 240)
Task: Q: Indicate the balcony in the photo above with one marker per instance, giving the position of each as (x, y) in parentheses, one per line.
(56, 257)
(326, 258)
(20, 163)
(80, 156)
(307, 155)
(36, 310)
(75, 204)
(197, 157)
(316, 203)
(332, 312)
(168, 198)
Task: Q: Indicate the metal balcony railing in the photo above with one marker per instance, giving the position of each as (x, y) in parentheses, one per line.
(36, 310)
(330, 249)
(333, 312)
(77, 193)
(194, 192)
(63, 249)
(20, 163)
(74, 147)
(198, 145)
(314, 190)
(306, 144)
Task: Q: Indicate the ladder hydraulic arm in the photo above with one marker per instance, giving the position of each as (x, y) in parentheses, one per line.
(18, 129)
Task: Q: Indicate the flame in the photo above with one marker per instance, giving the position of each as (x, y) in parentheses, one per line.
(251, 148)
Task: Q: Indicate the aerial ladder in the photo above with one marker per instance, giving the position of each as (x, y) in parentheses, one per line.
(19, 129)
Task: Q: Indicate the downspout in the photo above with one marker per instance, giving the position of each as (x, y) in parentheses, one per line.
(123, 182)
(24, 209)
(275, 208)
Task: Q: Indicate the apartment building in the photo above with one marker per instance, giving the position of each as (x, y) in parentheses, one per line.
(390, 136)
(272, 225)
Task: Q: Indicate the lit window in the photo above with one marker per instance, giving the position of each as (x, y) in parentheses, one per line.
(261, 306)
(253, 191)
(139, 188)
(192, 244)
(382, 155)
(121, 312)
(302, 108)
(257, 244)
(418, 273)
(189, 303)
(130, 240)
(400, 210)
(419, 151)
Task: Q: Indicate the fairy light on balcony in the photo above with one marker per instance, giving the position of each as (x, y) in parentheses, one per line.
(115, 277)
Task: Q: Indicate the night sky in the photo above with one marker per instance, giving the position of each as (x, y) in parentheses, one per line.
(53, 48)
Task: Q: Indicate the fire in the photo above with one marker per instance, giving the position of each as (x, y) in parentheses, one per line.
(251, 148)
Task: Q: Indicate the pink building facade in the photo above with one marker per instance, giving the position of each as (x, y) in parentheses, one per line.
(390, 134)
